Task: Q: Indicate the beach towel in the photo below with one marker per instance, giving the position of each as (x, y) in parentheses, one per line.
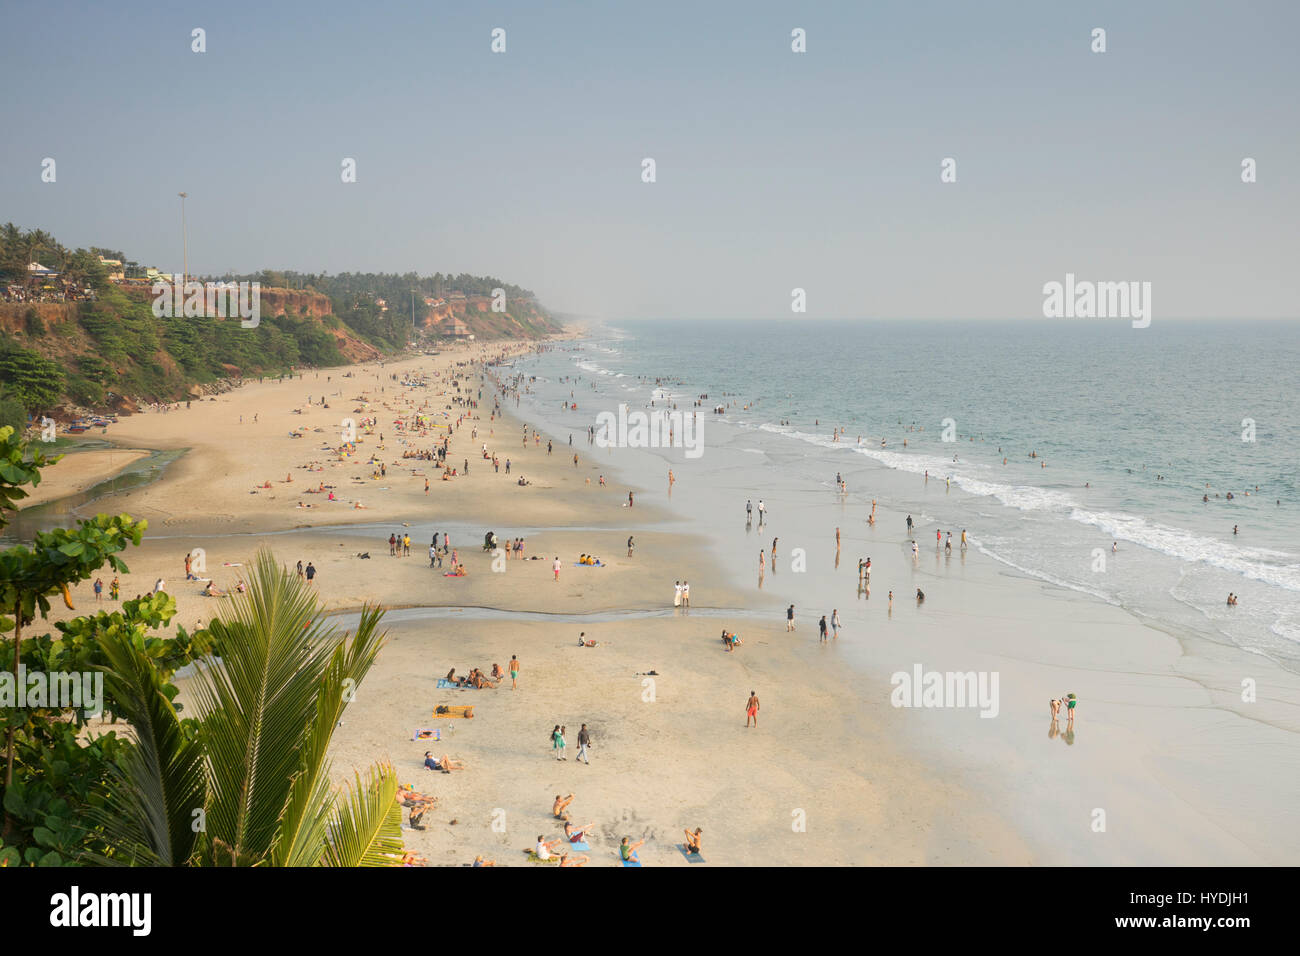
(690, 857)
(430, 734)
(579, 564)
(627, 862)
(579, 846)
(534, 858)
(453, 713)
(444, 684)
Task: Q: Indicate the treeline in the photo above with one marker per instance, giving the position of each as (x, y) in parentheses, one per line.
(19, 247)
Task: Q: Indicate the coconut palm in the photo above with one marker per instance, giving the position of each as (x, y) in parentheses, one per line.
(248, 783)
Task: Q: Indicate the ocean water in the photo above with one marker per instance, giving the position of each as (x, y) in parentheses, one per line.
(1133, 426)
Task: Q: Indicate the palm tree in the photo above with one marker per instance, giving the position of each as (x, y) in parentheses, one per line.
(248, 783)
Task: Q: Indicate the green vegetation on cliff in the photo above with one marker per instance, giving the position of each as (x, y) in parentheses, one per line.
(77, 336)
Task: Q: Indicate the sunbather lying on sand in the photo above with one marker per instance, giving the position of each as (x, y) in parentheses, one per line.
(443, 763)
(418, 803)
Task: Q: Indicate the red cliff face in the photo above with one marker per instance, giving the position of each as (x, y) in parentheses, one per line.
(292, 302)
(13, 315)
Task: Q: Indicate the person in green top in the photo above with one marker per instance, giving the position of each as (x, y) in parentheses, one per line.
(628, 850)
(1070, 701)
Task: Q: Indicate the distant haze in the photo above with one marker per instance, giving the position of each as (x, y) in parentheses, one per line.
(775, 170)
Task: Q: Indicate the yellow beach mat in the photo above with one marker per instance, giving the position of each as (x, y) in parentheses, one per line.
(452, 711)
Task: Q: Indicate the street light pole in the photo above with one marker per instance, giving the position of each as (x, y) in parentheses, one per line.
(185, 244)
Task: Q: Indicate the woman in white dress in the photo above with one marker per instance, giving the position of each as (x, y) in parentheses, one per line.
(677, 594)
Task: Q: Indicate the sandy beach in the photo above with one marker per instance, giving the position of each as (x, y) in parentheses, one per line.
(835, 773)
(666, 755)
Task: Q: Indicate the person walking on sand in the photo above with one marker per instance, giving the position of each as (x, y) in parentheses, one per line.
(557, 743)
(835, 623)
(909, 526)
(629, 545)
(310, 572)
(514, 672)
(584, 741)
(751, 710)
(555, 566)
(821, 628)
(789, 618)
(392, 545)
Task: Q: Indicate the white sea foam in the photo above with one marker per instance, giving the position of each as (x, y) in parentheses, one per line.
(1260, 564)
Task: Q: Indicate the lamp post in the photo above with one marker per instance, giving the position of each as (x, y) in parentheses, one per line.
(185, 245)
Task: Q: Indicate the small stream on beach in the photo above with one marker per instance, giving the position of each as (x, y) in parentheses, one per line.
(63, 512)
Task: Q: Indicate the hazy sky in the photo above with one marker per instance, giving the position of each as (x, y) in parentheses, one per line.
(775, 170)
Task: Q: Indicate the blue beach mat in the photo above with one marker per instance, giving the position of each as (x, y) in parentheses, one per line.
(579, 846)
(443, 683)
(690, 857)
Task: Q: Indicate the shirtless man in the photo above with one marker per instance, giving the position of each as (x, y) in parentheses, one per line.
(751, 709)
(578, 860)
(558, 809)
(693, 840)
